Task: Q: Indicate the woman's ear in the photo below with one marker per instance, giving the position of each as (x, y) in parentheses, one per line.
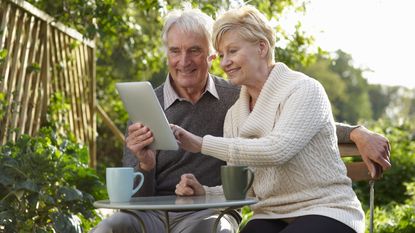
(263, 48)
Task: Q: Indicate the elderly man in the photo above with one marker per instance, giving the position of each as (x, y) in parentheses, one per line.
(198, 101)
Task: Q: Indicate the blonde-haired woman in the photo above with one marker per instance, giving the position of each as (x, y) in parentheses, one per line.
(282, 127)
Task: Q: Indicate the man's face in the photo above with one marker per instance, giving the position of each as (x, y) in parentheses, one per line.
(187, 55)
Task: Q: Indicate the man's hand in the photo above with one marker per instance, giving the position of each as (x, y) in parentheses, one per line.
(374, 148)
(189, 186)
(138, 139)
(186, 140)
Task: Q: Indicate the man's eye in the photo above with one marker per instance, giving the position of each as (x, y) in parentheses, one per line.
(195, 50)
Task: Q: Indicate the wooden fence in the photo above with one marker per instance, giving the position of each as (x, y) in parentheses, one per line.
(43, 57)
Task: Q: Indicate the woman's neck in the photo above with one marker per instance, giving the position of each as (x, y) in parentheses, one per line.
(255, 89)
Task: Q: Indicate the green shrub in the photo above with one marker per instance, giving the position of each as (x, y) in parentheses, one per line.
(246, 215)
(46, 185)
(3, 105)
(397, 217)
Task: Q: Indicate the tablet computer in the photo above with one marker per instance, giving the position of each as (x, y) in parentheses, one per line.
(142, 105)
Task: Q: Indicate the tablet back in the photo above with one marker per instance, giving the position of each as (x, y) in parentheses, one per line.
(143, 106)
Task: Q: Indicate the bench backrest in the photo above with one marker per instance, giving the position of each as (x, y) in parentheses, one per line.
(357, 171)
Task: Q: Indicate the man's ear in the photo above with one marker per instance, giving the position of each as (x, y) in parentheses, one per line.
(263, 48)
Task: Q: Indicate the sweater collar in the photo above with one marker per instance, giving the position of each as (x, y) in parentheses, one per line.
(270, 97)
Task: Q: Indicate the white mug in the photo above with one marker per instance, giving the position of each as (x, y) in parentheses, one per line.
(120, 182)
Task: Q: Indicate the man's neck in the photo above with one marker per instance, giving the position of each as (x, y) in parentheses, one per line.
(192, 94)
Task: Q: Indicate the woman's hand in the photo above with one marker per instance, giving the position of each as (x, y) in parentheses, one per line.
(186, 140)
(189, 186)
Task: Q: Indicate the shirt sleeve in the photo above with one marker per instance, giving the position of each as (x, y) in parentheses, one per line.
(216, 190)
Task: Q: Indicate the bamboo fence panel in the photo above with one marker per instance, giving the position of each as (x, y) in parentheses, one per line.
(45, 58)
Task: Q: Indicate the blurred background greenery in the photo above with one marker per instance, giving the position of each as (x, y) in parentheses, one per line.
(129, 48)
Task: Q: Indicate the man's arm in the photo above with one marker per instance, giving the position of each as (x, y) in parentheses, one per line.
(132, 159)
(373, 147)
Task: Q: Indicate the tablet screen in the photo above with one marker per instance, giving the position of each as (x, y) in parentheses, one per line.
(142, 105)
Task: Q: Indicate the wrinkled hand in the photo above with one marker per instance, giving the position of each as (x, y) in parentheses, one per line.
(138, 139)
(186, 140)
(189, 186)
(374, 148)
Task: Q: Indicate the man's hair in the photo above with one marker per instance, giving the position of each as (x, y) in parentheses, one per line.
(189, 20)
(250, 24)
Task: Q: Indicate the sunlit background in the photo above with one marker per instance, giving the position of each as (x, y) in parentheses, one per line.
(379, 34)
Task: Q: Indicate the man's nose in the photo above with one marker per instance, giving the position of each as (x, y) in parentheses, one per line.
(184, 59)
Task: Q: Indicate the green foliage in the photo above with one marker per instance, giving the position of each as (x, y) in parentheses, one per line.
(246, 215)
(380, 97)
(35, 67)
(45, 185)
(397, 217)
(45, 182)
(3, 105)
(357, 105)
(3, 55)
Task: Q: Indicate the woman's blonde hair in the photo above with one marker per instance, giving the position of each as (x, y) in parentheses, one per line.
(249, 23)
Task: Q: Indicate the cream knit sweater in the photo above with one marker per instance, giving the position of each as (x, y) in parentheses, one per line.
(290, 142)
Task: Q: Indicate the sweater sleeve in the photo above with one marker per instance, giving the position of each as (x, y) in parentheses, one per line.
(343, 132)
(304, 112)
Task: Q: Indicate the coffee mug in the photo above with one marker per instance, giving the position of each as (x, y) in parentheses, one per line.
(120, 182)
(236, 180)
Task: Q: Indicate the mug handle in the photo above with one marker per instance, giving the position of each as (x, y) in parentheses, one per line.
(250, 177)
(140, 184)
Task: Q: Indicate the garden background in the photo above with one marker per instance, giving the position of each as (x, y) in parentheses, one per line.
(46, 184)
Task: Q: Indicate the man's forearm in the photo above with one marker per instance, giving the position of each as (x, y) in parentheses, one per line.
(344, 132)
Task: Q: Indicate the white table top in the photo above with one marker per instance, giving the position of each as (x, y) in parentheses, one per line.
(175, 203)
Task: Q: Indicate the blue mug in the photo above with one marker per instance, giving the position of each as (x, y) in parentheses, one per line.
(120, 182)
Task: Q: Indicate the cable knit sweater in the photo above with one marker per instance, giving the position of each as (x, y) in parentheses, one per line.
(290, 142)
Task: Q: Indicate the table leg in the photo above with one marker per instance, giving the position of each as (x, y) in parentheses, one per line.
(143, 226)
(222, 213)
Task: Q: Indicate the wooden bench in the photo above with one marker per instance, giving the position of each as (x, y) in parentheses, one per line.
(358, 171)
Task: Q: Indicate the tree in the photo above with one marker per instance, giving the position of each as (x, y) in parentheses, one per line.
(334, 85)
(357, 105)
(380, 98)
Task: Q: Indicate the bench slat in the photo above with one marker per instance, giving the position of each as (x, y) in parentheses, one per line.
(348, 149)
(357, 171)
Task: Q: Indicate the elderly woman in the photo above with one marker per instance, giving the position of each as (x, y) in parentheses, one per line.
(282, 127)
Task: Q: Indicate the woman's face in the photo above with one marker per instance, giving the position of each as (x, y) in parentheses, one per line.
(240, 59)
